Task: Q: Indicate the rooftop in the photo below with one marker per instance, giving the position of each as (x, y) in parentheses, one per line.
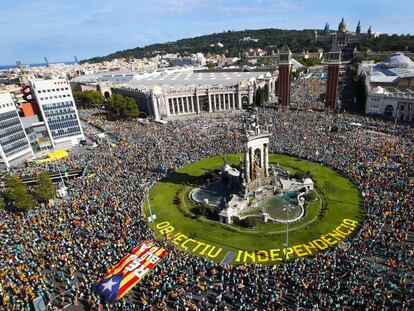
(189, 78)
(397, 60)
(392, 69)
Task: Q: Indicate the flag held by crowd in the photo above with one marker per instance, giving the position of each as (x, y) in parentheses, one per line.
(120, 279)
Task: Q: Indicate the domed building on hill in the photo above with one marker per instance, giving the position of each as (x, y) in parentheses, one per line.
(342, 37)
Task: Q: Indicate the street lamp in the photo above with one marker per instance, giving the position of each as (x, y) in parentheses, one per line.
(396, 118)
(286, 245)
(152, 217)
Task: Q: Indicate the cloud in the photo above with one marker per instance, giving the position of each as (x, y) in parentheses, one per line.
(258, 7)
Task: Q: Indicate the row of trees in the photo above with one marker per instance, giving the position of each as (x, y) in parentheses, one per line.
(359, 84)
(376, 58)
(119, 106)
(261, 96)
(310, 61)
(19, 196)
(123, 106)
(88, 98)
(269, 40)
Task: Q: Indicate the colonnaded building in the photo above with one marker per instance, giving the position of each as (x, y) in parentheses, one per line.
(169, 93)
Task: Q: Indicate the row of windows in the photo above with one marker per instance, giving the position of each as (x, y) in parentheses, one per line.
(54, 90)
(55, 96)
(6, 105)
(9, 123)
(61, 112)
(376, 99)
(63, 125)
(10, 139)
(374, 106)
(15, 147)
(54, 106)
(60, 117)
(66, 132)
(10, 131)
(8, 115)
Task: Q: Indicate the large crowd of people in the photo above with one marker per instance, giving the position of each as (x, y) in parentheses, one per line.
(58, 252)
(308, 93)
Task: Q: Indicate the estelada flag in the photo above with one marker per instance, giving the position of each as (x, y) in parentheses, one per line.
(121, 278)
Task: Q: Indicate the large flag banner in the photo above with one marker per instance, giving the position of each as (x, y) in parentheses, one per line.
(129, 271)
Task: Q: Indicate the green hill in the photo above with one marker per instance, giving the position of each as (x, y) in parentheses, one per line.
(269, 39)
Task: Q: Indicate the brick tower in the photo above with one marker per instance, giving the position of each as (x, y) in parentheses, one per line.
(334, 60)
(285, 65)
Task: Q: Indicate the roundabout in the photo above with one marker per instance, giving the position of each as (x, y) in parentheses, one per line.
(330, 216)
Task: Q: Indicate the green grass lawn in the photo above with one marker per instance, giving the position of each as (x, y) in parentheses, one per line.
(170, 202)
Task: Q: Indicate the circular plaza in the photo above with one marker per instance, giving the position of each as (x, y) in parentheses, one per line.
(330, 214)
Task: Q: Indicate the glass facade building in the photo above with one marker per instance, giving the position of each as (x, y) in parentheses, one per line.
(14, 145)
(57, 106)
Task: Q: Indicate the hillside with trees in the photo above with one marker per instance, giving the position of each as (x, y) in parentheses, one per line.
(269, 40)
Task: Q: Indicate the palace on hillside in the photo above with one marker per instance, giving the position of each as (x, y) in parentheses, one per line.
(342, 37)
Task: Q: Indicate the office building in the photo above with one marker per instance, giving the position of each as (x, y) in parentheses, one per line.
(14, 144)
(58, 111)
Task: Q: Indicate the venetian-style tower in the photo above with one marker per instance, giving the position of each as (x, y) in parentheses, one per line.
(285, 66)
(334, 61)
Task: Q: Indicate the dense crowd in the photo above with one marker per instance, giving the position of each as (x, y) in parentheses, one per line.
(308, 93)
(61, 250)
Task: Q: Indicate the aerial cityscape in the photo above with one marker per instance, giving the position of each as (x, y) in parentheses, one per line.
(207, 155)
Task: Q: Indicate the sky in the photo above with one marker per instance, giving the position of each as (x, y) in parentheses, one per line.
(32, 29)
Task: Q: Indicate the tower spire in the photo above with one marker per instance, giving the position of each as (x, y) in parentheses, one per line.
(342, 26)
(358, 28)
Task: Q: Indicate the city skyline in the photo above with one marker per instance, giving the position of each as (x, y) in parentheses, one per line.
(60, 30)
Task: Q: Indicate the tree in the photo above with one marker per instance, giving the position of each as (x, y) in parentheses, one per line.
(89, 98)
(2, 204)
(18, 194)
(277, 87)
(245, 223)
(265, 93)
(294, 75)
(211, 65)
(258, 98)
(310, 61)
(357, 59)
(265, 61)
(45, 188)
(311, 196)
(123, 106)
(242, 62)
(361, 96)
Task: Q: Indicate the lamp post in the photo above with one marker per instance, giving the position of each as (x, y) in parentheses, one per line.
(149, 208)
(395, 120)
(287, 209)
